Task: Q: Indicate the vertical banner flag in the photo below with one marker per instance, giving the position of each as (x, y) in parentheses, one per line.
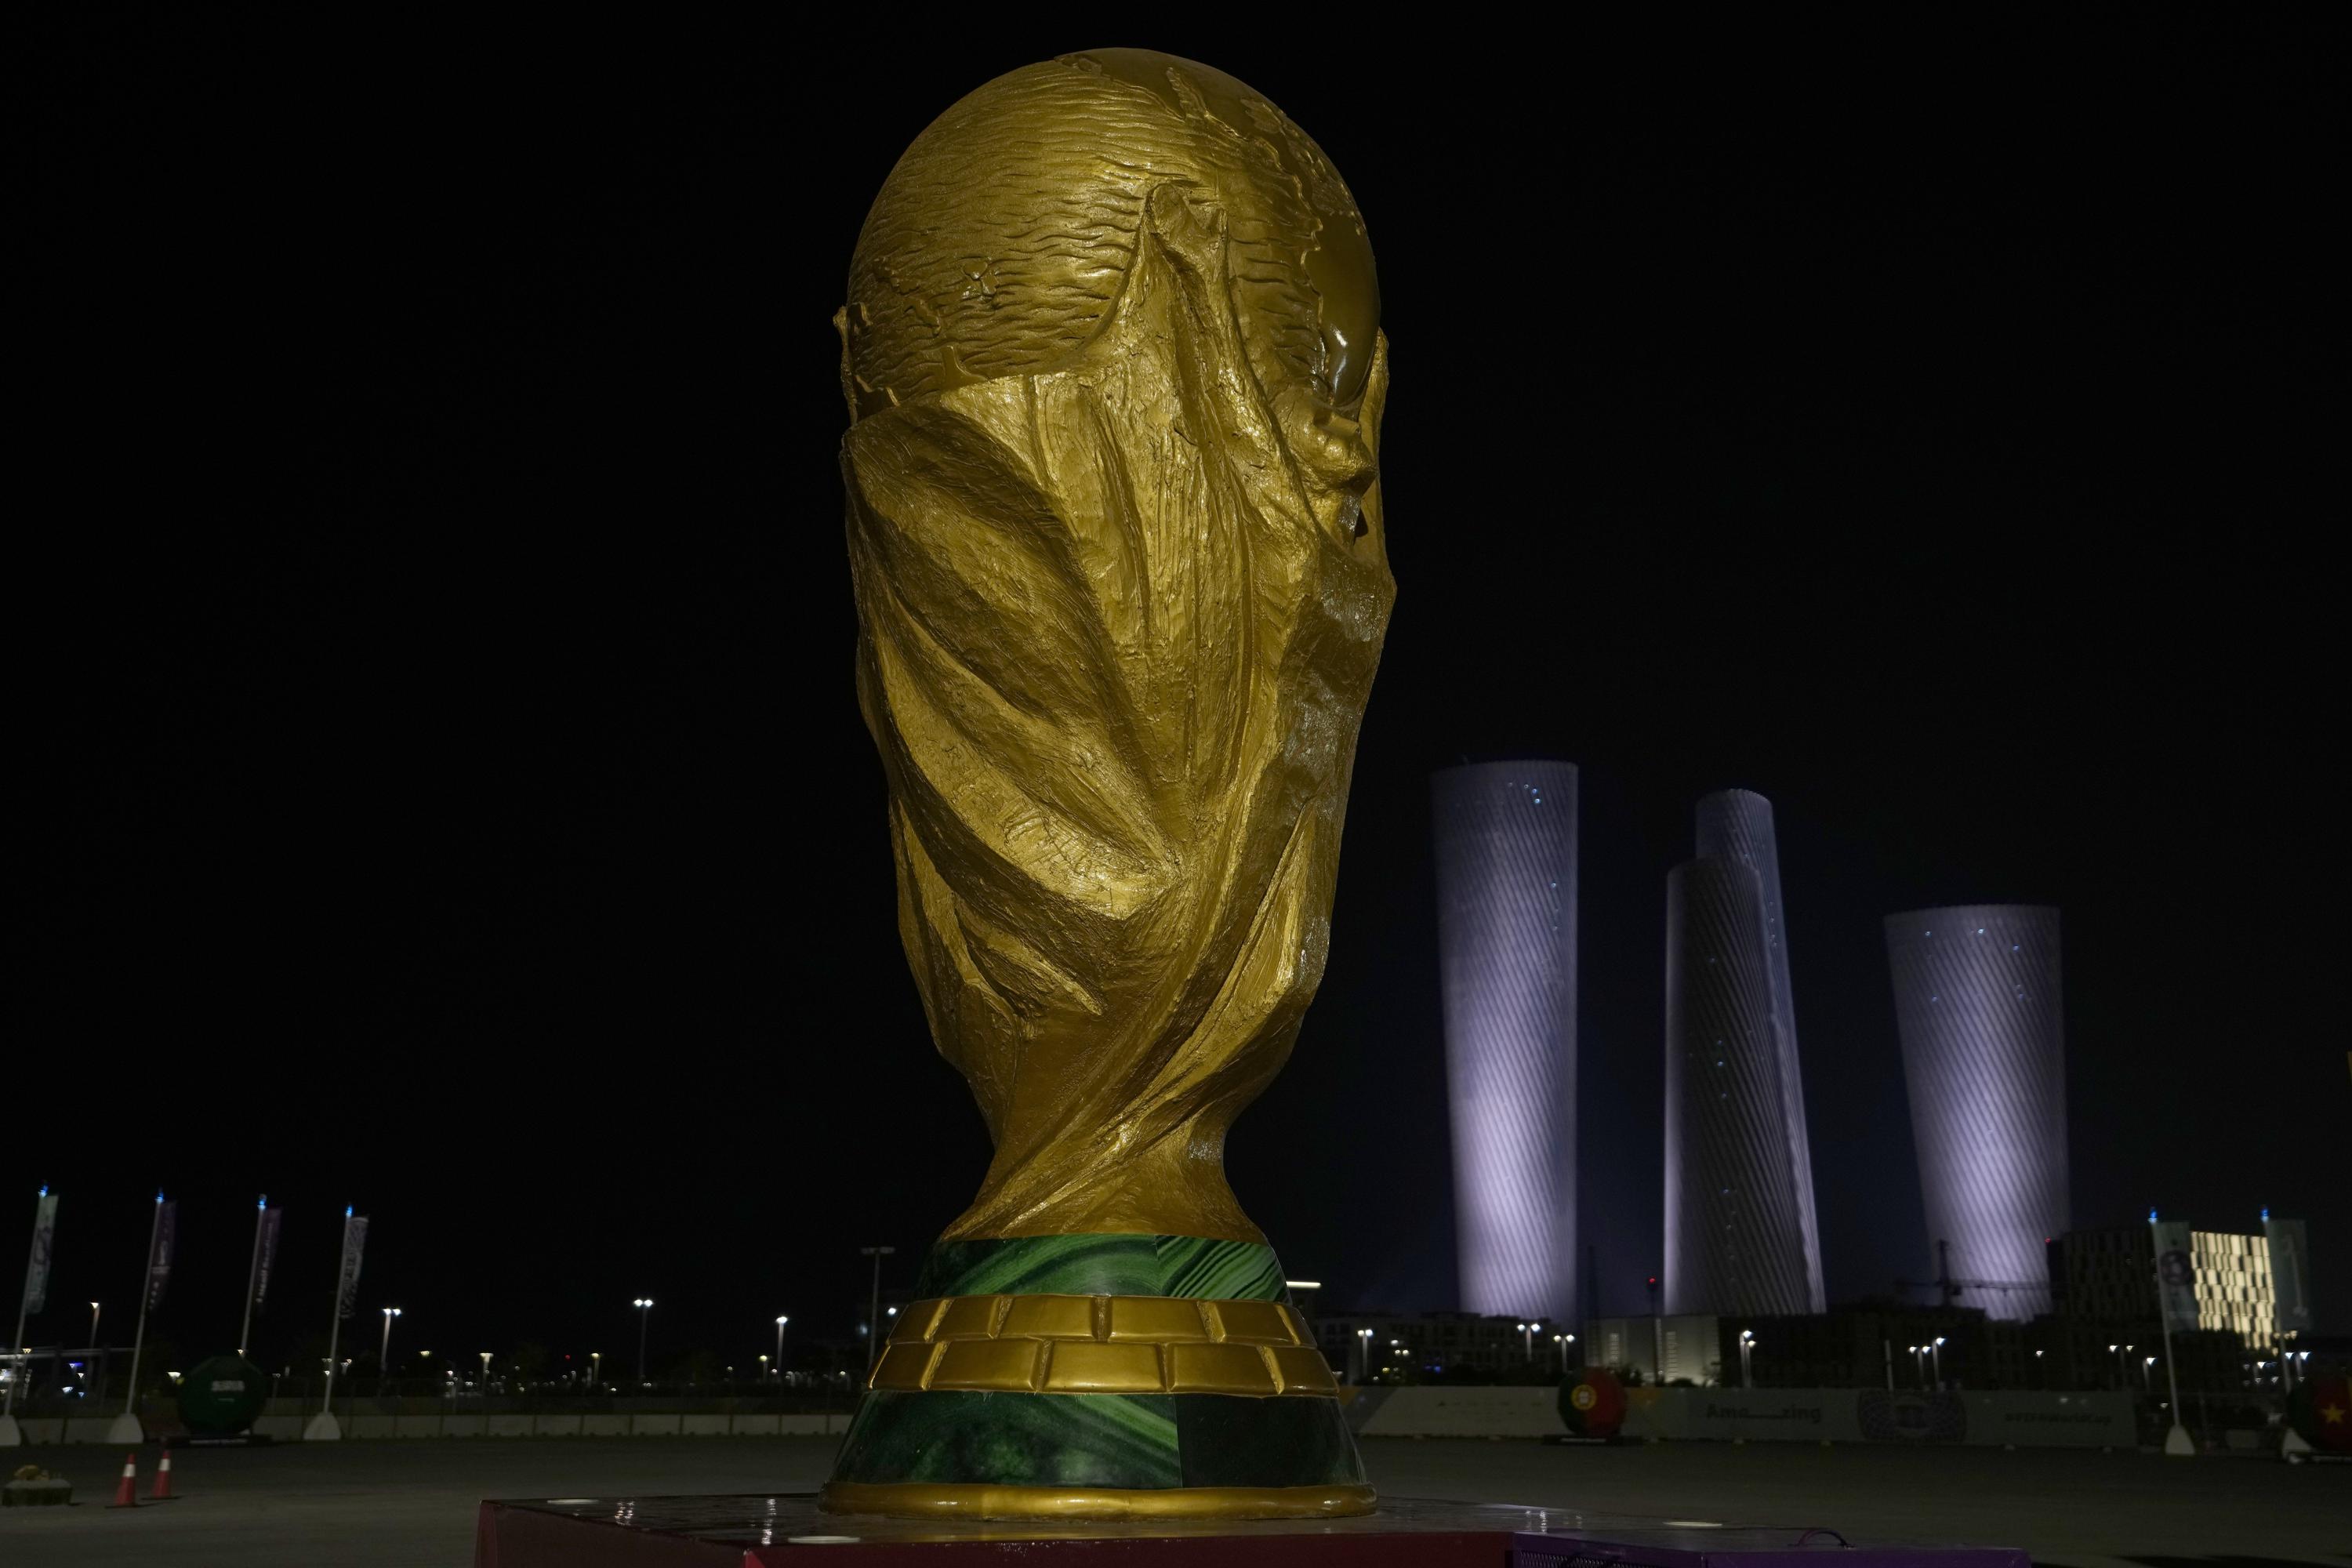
(2290, 1273)
(268, 1254)
(36, 1272)
(2176, 1274)
(159, 1266)
(354, 1242)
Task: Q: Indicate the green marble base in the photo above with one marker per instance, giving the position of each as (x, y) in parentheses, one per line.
(1138, 1441)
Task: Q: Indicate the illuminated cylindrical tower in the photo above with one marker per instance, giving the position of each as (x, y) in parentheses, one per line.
(1733, 1239)
(1737, 825)
(1977, 1001)
(1506, 835)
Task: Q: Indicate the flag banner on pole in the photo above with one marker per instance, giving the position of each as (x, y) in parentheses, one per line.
(2290, 1273)
(354, 1243)
(267, 1255)
(2176, 1274)
(36, 1272)
(159, 1266)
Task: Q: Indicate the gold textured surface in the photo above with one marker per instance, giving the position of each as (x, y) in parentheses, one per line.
(925, 1499)
(1159, 1319)
(1115, 386)
(1105, 1344)
(1258, 1323)
(1006, 1366)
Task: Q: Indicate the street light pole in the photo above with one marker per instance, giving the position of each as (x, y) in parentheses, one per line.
(781, 1322)
(874, 1310)
(596, 1369)
(644, 1306)
(383, 1355)
(93, 1325)
(253, 1274)
(1936, 1349)
(1747, 1358)
(1364, 1344)
(1563, 1342)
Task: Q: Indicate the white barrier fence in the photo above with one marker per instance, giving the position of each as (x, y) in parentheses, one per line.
(287, 1429)
(1816, 1415)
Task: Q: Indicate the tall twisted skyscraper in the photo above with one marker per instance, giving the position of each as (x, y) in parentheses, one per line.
(1740, 1231)
(1978, 1002)
(1737, 825)
(1505, 836)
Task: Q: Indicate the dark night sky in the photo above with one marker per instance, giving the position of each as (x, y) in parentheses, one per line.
(446, 794)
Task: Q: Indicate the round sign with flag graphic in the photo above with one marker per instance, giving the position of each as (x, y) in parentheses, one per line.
(1592, 1403)
(2321, 1413)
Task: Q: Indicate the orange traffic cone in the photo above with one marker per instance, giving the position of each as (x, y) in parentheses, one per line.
(126, 1494)
(162, 1492)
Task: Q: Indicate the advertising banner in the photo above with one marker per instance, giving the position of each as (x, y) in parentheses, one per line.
(36, 1271)
(2176, 1274)
(1882, 1415)
(266, 1255)
(354, 1243)
(159, 1262)
(2290, 1251)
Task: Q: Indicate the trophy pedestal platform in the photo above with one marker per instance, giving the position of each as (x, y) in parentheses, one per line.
(788, 1532)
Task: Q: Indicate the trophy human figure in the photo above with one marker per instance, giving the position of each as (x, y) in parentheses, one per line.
(1114, 378)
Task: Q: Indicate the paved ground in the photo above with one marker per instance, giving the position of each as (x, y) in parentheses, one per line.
(411, 1504)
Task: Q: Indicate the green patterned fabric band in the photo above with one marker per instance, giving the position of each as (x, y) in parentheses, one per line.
(1134, 1363)
(1189, 1266)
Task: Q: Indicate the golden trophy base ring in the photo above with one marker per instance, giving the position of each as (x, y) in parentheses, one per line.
(920, 1499)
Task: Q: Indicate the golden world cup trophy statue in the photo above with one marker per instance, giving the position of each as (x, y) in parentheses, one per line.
(1114, 379)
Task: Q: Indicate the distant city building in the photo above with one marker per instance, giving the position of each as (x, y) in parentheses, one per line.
(1686, 1347)
(1737, 825)
(1505, 843)
(2111, 1273)
(1977, 1004)
(1735, 1241)
(1375, 1345)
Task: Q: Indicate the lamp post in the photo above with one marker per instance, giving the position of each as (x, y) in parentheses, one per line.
(2148, 1374)
(1364, 1342)
(486, 1373)
(596, 1369)
(1528, 1341)
(781, 1322)
(1937, 1351)
(1563, 1342)
(873, 1307)
(644, 1306)
(1747, 1358)
(383, 1355)
(1919, 1364)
